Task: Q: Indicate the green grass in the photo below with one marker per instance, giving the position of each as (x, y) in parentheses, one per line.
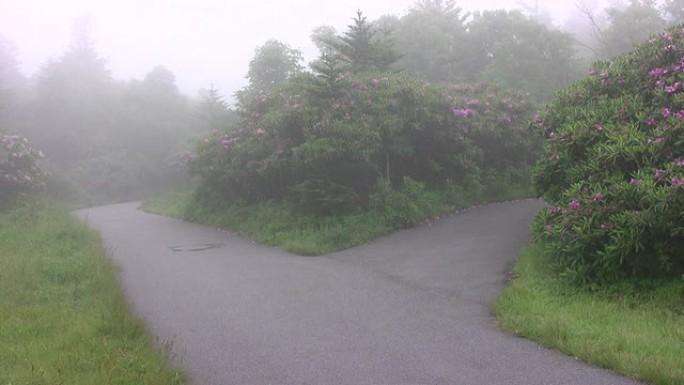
(282, 224)
(63, 319)
(636, 329)
(276, 224)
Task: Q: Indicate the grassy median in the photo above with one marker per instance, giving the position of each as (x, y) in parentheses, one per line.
(63, 319)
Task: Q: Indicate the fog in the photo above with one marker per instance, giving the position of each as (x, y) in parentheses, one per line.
(116, 94)
(201, 41)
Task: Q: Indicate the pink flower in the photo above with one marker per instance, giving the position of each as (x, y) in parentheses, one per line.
(228, 141)
(680, 163)
(659, 175)
(678, 182)
(375, 82)
(549, 228)
(673, 88)
(635, 182)
(463, 112)
(554, 157)
(574, 205)
(658, 72)
(666, 112)
(598, 197)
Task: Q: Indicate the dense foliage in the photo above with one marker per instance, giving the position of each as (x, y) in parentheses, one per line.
(613, 166)
(20, 171)
(336, 145)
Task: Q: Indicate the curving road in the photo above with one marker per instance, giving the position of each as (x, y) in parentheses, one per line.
(411, 308)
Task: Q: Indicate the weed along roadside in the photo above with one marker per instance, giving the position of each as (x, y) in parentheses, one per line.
(636, 328)
(63, 318)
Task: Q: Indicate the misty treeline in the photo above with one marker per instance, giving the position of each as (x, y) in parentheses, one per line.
(105, 139)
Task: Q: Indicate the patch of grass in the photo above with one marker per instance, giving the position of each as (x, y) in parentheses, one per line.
(63, 319)
(173, 204)
(284, 225)
(636, 328)
(276, 223)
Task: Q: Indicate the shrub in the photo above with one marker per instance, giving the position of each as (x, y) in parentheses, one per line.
(612, 167)
(19, 168)
(326, 144)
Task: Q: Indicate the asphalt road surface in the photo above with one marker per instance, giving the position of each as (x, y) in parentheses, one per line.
(410, 308)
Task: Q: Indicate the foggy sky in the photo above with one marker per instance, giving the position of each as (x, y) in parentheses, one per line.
(201, 41)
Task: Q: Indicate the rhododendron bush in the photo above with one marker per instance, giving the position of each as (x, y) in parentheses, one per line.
(612, 168)
(19, 168)
(326, 143)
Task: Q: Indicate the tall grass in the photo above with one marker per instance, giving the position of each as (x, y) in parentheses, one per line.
(63, 319)
(283, 224)
(636, 328)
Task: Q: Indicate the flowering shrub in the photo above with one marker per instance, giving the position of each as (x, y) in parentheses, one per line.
(326, 144)
(612, 168)
(19, 169)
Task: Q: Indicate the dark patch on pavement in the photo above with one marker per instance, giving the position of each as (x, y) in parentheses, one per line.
(202, 247)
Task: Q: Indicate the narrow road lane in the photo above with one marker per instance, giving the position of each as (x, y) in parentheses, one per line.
(411, 308)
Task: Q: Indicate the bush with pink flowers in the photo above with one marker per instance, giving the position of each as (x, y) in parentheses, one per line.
(325, 145)
(19, 168)
(612, 168)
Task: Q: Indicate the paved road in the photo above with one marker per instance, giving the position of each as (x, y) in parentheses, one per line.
(411, 308)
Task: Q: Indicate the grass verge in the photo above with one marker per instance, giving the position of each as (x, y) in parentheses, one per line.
(63, 319)
(284, 225)
(636, 329)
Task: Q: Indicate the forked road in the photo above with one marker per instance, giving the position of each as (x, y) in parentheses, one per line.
(411, 308)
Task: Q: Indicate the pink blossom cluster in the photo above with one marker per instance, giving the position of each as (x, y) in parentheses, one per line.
(463, 112)
(667, 112)
(227, 141)
(18, 163)
(658, 72)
